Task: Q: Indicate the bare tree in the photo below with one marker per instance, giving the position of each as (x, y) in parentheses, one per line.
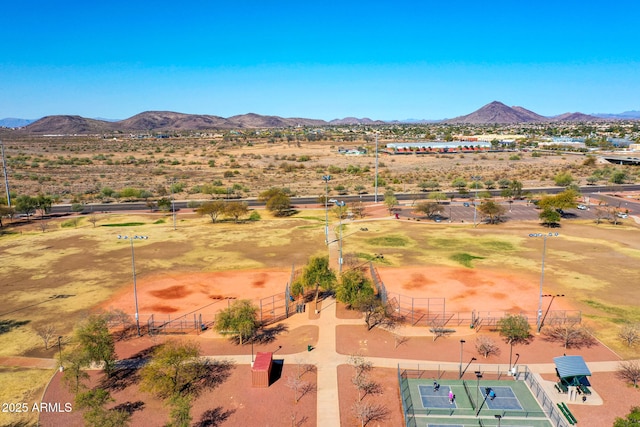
(296, 384)
(569, 335)
(43, 225)
(630, 333)
(93, 219)
(367, 412)
(629, 371)
(486, 346)
(122, 319)
(398, 339)
(46, 333)
(438, 329)
(360, 378)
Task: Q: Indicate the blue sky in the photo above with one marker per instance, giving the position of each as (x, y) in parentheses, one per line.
(378, 59)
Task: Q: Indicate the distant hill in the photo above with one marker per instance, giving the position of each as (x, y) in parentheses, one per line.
(162, 121)
(158, 121)
(627, 115)
(10, 122)
(499, 113)
(356, 121)
(575, 117)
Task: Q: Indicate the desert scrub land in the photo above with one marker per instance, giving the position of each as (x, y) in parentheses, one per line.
(89, 169)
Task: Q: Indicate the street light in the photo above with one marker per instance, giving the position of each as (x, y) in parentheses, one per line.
(544, 250)
(461, 346)
(375, 198)
(499, 418)
(133, 268)
(513, 368)
(478, 376)
(340, 204)
(326, 179)
(60, 352)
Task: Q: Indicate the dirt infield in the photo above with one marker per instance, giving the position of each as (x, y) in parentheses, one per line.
(208, 292)
(465, 290)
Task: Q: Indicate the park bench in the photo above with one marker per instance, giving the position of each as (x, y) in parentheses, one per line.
(561, 387)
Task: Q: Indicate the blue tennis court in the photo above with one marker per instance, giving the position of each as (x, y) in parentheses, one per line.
(436, 398)
(504, 398)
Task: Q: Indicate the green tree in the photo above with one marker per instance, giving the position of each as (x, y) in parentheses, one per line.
(353, 287)
(516, 189)
(437, 196)
(213, 209)
(459, 184)
(6, 211)
(174, 369)
(73, 376)
(236, 210)
(164, 204)
(277, 201)
(491, 210)
(430, 209)
(549, 217)
(618, 177)
(96, 342)
(563, 179)
(317, 273)
(180, 412)
(390, 200)
(631, 420)
(239, 320)
(95, 414)
(25, 205)
(514, 328)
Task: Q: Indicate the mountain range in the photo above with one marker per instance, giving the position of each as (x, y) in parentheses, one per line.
(155, 121)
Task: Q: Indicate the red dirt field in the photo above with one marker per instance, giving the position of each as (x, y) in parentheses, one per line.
(183, 292)
(467, 289)
(232, 403)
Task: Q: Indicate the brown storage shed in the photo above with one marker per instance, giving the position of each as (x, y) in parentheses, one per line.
(261, 370)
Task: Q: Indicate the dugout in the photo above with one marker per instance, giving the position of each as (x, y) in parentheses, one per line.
(261, 370)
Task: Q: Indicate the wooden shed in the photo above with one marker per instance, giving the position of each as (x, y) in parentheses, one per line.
(261, 370)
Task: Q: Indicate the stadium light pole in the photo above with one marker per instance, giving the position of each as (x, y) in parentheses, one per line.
(461, 346)
(326, 179)
(133, 268)
(544, 250)
(340, 205)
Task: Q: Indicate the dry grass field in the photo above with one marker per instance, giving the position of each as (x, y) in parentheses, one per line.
(57, 277)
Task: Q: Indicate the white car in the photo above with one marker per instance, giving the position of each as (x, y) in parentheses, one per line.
(582, 207)
(622, 215)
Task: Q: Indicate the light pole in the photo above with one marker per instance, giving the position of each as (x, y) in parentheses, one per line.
(375, 198)
(133, 268)
(461, 346)
(513, 368)
(340, 205)
(326, 179)
(60, 352)
(544, 250)
(173, 203)
(478, 376)
(499, 418)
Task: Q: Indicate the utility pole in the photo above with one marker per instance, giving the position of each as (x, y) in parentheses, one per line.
(375, 198)
(6, 176)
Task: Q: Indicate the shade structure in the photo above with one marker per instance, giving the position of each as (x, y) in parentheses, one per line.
(572, 370)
